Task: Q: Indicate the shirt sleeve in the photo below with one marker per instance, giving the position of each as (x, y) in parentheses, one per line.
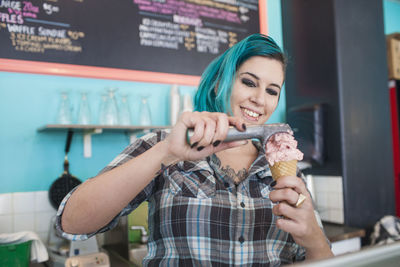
(133, 150)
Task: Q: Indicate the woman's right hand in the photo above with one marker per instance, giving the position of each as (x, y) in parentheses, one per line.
(210, 129)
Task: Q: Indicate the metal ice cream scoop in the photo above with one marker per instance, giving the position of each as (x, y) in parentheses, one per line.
(260, 132)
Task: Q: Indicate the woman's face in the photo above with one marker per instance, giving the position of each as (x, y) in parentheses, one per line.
(256, 89)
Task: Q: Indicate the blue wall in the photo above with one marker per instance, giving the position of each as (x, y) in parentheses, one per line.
(274, 21)
(391, 11)
(31, 161)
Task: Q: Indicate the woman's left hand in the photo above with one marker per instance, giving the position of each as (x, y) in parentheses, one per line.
(299, 221)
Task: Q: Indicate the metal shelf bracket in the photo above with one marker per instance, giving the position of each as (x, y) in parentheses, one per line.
(87, 141)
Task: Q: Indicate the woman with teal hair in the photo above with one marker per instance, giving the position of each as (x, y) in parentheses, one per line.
(222, 71)
(211, 203)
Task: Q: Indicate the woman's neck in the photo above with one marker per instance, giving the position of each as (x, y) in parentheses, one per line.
(237, 161)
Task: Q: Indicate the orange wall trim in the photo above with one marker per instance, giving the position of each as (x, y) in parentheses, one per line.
(262, 7)
(35, 67)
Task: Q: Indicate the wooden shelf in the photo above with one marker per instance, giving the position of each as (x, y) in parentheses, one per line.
(88, 130)
(79, 127)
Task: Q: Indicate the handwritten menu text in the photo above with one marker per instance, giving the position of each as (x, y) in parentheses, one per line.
(29, 32)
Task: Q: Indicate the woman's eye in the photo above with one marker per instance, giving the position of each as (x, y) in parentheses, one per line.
(248, 83)
(271, 91)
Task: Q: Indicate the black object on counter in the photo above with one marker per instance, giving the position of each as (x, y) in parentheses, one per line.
(66, 182)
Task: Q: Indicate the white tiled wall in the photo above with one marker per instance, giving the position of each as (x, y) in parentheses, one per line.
(27, 211)
(328, 197)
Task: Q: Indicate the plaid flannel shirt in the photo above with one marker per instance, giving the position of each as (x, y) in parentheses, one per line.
(199, 217)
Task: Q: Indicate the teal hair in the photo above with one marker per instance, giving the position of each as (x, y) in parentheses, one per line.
(220, 73)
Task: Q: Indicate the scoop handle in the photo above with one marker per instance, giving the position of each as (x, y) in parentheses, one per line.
(261, 132)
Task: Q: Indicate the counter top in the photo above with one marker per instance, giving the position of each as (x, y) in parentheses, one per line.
(338, 232)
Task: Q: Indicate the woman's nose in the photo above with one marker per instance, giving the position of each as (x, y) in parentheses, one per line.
(258, 97)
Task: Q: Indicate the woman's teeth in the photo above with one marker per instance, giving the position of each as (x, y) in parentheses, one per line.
(251, 113)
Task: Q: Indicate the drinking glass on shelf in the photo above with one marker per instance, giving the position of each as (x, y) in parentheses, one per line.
(84, 115)
(64, 115)
(111, 110)
(125, 113)
(102, 109)
(144, 111)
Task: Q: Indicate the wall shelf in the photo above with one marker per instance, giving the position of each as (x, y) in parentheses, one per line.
(90, 129)
(79, 127)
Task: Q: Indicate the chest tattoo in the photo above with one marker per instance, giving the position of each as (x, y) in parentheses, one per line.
(237, 177)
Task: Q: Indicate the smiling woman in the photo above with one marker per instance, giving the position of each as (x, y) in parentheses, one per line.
(211, 202)
(221, 73)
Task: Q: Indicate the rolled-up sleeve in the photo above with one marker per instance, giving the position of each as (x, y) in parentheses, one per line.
(132, 151)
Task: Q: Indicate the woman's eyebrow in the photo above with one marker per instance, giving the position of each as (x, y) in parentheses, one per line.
(275, 85)
(257, 78)
(251, 74)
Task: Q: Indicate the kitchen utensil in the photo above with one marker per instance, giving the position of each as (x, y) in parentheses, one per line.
(261, 132)
(66, 182)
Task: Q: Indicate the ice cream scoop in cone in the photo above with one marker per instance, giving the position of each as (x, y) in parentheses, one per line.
(283, 168)
(282, 155)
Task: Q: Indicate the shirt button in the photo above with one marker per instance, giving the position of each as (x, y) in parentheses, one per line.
(242, 204)
(241, 239)
(226, 184)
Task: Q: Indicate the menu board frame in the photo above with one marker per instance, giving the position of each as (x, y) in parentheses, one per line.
(61, 69)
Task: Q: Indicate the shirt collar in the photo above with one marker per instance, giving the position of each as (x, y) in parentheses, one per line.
(198, 165)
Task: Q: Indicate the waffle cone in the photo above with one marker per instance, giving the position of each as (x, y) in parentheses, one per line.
(283, 168)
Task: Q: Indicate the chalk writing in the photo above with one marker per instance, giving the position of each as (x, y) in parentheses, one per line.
(187, 21)
(52, 32)
(49, 9)
(27, 35)
(192, 13)
(39, 44)
(14, 5)
(29, 7)
(161, 34)
(20, 28)
(11, 18)
(200, 8)
(75, 35)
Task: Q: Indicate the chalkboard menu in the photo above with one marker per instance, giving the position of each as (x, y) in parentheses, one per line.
(177, 37)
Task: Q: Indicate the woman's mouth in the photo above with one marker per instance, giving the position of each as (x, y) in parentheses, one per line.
(250, 115)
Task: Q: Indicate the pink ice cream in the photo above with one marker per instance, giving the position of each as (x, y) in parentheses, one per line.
(282, 147)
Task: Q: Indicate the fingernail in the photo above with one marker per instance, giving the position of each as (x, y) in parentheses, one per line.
(244, 126)
(216, 143)
(200, 148)
(273, 184)
(193, 145)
